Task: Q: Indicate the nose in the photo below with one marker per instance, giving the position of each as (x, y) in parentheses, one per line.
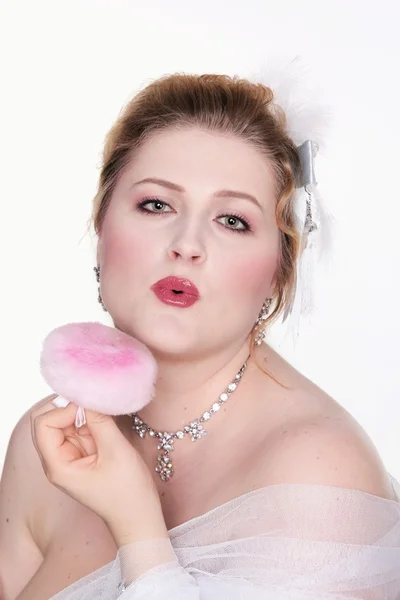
(187, 247)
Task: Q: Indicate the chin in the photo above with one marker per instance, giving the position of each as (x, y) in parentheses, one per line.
(164, 336)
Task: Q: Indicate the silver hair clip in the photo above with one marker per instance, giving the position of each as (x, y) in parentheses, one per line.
(306, 180)
(307, 153)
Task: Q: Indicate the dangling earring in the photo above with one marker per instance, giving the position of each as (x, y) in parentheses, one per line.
(99, 298)
(260, 337)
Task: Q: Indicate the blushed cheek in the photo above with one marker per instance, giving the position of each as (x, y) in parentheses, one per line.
(253, 276)
(119, 248)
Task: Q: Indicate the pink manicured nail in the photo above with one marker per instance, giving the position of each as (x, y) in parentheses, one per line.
(80, 418)
(60, 402)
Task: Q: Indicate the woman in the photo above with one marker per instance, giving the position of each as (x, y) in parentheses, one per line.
(286, 497)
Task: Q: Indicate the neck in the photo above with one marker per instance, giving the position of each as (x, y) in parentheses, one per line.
(185, 389)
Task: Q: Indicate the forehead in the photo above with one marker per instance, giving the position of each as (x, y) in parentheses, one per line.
(204, 161)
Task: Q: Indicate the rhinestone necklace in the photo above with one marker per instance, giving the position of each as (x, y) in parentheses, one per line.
(194, 430)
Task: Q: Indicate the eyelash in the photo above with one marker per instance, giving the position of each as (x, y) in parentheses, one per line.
(141, 207)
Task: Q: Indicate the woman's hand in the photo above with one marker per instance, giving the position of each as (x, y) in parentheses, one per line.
(97, 466)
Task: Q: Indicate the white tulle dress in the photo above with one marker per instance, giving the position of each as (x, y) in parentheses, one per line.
(282, 542)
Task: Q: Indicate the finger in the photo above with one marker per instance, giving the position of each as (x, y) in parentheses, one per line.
(41, 408)
(80, 420)
(49, 431)
(79, 444)
(104, 430)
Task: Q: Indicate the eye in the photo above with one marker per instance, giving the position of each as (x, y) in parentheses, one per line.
(154, 205)
(234, 222)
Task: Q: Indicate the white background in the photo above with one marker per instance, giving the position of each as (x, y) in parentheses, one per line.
(68, 67)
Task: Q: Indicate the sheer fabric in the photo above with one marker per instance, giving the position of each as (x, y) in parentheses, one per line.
(282, 542)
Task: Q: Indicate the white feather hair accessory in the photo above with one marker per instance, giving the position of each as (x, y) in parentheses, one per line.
(307, 121)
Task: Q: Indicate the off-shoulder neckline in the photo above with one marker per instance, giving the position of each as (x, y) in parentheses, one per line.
(174, 531)
(252, 493)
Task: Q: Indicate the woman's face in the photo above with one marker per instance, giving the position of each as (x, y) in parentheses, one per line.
(198, 206)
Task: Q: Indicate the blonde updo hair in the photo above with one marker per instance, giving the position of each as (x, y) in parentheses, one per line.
(218, 103)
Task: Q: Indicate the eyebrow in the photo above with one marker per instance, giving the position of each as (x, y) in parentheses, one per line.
(218, 194)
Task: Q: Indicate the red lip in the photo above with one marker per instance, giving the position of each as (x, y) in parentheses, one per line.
(176, 291)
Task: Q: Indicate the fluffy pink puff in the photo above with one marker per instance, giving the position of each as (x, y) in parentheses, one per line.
(99, 368)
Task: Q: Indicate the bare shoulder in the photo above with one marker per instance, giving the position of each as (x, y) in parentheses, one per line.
(46, 537)
(317, 441)
(35, 490)
(19, 487)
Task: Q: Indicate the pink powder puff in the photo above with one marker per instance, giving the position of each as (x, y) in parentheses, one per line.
(99, 368)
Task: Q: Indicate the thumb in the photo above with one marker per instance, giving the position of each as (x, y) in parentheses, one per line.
(48, 429)
(104, 431)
